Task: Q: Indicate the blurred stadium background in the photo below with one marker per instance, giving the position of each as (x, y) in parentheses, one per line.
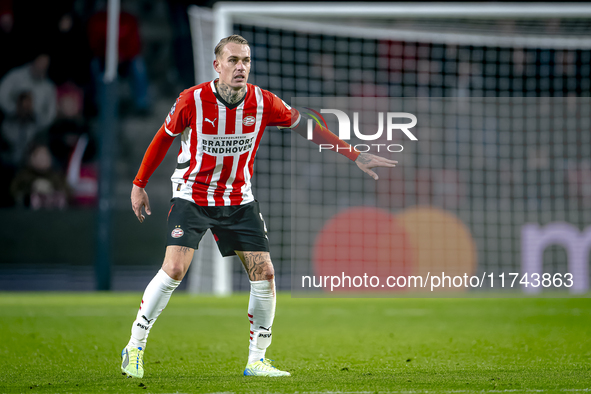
(494, 179)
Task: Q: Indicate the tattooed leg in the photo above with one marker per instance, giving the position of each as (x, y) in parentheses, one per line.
(258, 265)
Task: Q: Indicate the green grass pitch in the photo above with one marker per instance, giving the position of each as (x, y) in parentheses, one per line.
(70, 343)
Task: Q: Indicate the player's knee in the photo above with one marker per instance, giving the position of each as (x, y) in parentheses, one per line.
(269, 271)
(175, 270)
(177, 261)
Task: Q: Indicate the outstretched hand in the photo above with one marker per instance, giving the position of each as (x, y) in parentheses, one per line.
(366, 161)
(139, 199)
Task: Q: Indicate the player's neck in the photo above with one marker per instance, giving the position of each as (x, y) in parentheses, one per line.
(230, 95)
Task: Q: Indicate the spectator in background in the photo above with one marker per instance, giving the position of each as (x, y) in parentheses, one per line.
(69, 125)
(73, 146)
(32, 77)
(18, 132)
(131, 62)
(38, 185)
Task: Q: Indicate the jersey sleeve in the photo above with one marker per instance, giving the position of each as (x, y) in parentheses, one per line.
(153, 157)
(282, 115)
(179, 117)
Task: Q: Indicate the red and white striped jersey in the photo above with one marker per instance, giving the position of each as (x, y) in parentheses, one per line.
(219, 142)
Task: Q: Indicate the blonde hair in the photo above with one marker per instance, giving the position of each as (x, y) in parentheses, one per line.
(235, 38)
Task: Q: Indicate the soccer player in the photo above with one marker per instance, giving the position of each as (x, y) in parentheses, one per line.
(221, 124)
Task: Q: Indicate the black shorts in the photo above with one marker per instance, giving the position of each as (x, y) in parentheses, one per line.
(238, 227)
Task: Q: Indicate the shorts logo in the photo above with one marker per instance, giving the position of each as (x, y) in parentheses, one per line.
(249, 121)
(177, 233)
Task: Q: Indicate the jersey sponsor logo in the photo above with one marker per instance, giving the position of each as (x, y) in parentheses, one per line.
(227, 145)
(211, 121)
(177, 233)
(249, 121)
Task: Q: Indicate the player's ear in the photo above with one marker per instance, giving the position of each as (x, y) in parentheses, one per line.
(216, 65)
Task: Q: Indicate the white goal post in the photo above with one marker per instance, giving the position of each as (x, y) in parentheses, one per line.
(302, 16)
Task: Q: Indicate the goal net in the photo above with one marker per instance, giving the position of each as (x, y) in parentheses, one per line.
(507, 174)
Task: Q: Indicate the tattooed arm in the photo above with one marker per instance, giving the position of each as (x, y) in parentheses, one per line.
(366, 161)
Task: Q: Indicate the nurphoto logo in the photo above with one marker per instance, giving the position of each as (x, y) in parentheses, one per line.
(391, 119)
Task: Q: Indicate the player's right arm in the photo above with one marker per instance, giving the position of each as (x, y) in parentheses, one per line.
(139, 199)
(152, 159)
(176, 122)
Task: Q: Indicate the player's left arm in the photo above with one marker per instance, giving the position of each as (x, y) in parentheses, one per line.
(322, 135)
(291, 118)
(367, 161)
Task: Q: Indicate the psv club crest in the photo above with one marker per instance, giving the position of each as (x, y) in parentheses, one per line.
(177, 233)
(248, 121)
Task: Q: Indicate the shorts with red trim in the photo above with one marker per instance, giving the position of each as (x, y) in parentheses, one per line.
(237, 227)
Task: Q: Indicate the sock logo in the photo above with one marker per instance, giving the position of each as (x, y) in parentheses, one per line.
(140, 325)
(261, 335)
(148, 320)
(267, 329)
